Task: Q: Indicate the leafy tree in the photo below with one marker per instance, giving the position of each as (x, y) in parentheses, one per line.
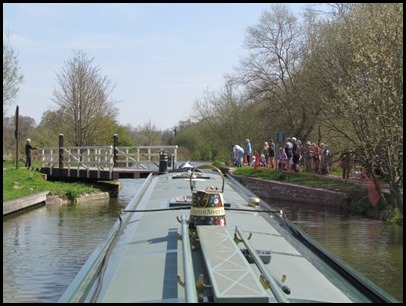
(12, 75)
(124, 136)
(49, 129)
(360, 62)
(27, 129)
(168, 137)
(224, 118)
(8, 135)
(86, 112)
(187, 139)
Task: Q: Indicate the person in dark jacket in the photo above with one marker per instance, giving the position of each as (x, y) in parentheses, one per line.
(28, 149)
(346, 160)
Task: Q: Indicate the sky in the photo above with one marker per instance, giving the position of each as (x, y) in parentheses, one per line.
(161, 57)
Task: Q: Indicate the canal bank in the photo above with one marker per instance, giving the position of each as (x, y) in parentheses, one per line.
(44, 198)
(24, 203)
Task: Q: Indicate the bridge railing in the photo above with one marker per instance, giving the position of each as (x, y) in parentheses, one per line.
(49, 157)
(145, 157)
(105, 157)
(77, 158)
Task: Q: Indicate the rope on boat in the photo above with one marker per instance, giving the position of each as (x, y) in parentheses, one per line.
(187, 207)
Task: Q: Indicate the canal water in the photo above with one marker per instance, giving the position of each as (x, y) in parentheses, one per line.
(43, 249)
(372, 247)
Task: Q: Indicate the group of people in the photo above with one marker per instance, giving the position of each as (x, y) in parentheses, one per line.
(317, 158)
(292, 156)
(287, 157)
(244, 156)
(268, 154)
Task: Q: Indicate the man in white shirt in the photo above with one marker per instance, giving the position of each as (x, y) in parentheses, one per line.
(238, 155)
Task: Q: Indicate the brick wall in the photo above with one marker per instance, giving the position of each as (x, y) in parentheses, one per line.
(289, 192)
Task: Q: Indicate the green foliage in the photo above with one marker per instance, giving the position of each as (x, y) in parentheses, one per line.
(281, 177)
(359, 62)
(224, 118)
(218, 164)
(396, 217)
(71, 195)
(187, 138)
(124, 136)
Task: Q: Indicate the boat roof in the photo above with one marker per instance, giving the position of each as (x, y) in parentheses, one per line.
(151, 256)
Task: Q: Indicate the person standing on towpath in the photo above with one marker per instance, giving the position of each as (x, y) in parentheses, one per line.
(28, 149)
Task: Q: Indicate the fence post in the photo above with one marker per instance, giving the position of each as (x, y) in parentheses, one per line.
(17, 132)
(115, 150)
(60, 151)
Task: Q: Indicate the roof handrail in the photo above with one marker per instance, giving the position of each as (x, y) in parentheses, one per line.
(188, 274)
(274, 284)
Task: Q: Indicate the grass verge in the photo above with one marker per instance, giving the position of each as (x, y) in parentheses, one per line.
(302, 179)
(21, 182)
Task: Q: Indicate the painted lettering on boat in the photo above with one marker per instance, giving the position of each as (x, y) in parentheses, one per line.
(204, 212)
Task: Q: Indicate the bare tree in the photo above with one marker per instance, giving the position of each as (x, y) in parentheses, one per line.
(87, 112)
(272, 72)
(12, 75)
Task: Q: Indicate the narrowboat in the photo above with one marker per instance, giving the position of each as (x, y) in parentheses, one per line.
(196, 235)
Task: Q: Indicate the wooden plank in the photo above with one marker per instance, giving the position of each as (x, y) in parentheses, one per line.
(24, 202)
